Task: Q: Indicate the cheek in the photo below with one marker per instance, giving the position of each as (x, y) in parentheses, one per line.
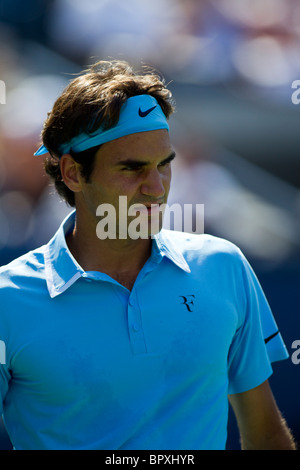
(96, 193)
(109, 190)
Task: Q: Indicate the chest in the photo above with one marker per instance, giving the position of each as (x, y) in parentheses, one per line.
(98, 335)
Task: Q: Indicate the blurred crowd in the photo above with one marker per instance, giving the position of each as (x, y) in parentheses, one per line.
(230, 64)
(249, 46)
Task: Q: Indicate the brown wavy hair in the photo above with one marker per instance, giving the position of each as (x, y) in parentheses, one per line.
(94, 99)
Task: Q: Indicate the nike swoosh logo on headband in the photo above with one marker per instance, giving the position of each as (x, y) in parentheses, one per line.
(145, 113)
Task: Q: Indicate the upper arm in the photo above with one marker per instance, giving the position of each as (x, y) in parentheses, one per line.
(260, 422)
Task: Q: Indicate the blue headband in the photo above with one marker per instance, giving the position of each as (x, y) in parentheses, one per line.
(138, 114)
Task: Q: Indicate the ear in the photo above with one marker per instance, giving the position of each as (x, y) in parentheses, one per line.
(70, 172)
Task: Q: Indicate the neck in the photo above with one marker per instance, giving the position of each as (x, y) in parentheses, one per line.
(111, 256)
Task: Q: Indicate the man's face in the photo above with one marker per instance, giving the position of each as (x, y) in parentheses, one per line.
(137, 166)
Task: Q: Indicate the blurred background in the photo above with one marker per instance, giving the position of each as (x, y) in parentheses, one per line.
(230, 65)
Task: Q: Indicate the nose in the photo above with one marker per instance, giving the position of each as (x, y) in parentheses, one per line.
(153, 184)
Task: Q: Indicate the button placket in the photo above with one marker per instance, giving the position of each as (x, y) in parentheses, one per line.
(135, 327)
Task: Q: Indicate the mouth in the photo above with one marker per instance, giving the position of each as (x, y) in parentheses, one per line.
(148, 209)
(153, 209)
(149, 216)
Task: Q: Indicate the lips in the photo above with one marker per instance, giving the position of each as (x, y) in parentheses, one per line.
(153, 209)
(148, 209)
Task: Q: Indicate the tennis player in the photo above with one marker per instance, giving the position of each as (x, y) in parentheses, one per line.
(123, 342)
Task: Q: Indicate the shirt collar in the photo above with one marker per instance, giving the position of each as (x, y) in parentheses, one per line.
(62, 269)
(165, 246)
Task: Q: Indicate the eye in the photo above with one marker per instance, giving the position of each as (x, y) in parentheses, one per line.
(168, 160)
(132, 168)
(165, 163)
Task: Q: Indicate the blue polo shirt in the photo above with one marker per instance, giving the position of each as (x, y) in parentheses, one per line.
(91, 365)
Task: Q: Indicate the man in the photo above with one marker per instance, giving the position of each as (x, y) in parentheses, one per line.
(119, 342)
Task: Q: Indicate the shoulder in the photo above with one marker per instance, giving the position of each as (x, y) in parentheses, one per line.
(20, 271)
(202, 246)
(207, 255)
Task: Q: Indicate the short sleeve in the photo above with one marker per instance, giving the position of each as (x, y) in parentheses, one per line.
(4, 374)
(5, 371)
(257, 342)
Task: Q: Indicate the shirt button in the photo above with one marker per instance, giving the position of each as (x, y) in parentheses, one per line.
(131, 301)
(136, 327)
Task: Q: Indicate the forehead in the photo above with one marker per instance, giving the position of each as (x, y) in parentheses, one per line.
(143, 145)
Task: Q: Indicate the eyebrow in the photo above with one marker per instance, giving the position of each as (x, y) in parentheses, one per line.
(137, 163)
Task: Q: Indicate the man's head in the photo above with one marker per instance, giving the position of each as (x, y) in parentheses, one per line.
(90, 102)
